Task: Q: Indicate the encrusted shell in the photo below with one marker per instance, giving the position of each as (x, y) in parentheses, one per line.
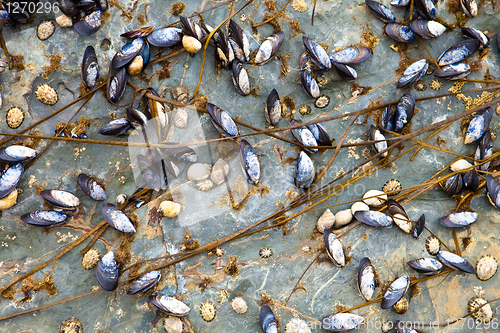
(180, 118)
(205, 185)
(392, 185)
(401, 306)
(485, 313)
(170, 208)
(46, 94)
(91, 258)
(15, 117)
(45, 29)
(299, 6)
(297, 325)
(173, 325)
(71, 325)
(305, 110)
(325, 221)
(486, 267)
(9, 200)
(265, 252)
(322, 101)
(432, 245)
(386, 326)
(239, 305)
(208, 311)
(378, 198)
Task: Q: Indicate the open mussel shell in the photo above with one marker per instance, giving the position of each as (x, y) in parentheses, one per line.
(471, 180)
(117, 86)
(334, 248)
(170, 305)
(478, 125)
(304, 136)
(128, 52)
(239, 42)
(484, 150)
(317, 53)
(273, 108)
(107, 272)
(309, 84)
(426, 7)
(413, 73)
(267, 320)
(61, 198)
(387, 118)
(136, 118)
(136, 33)
(10, 178)
(426, 266)
(458, 52)
(224, 52)
(117, 219)
(269, 48)
(459, 220)
(396, 291)
(44, 218)
(17, 153)
(380, 11)
(419, 227)
(144, 283)
(158, 110)
(493, 187)
(116, 127)
(455, 262)
(250, 162)
(427, 29)
(89, 24)
(404, 112)
(320, 134)
(394, 207)
(454, 71)
(304, 172)
(345, 72)
(152, 173)
(400, 33)
(222, 120)
(342, 322)
(484, 41)
(240, 79)
(352, 55)
(375, 135)
(366, 279)
(453, 185)
(165, 37)
(90, 68)
(189, 28)
(91, 188)
(373, 218)
(469, 7)
(180, 154)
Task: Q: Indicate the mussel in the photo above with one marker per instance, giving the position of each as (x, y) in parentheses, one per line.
(458, 52)
(471, 180)
(345, 72)
(459, 220)
(117, 86)
(320, 134)
(17, 153)
(377, 136)
(352, 55)
(400, 3)
(158, 110)
(342, 322)
(484, 150)
(399, 215)
(128, 52)
(240, 79)
(250, 162)
(413, 73)
(419, 227)
(170, 305)
(426, 266)
(469, 7)
(380, 11)
(107, 272)
(68, 7)
(478, 125)
(152, 171)
(269, 48)
(144, 283)
(373, 218)
(90, 68)
(139, 32)
(304, 172)
(426, 7)
(190, 28)
(222, 121)
(404, 112)
(91, 187)
(317, 54)
(180, 154)
(239, 42)
(400, 33)
(454, 71)
(273, 108)
(267, 320)
(304, 136)
(309, 84)
(165, 37)
(334, 248)
(61, 198)
(89, 24)
(223, 52)
(116, 127)
(484, 41)
(396, 291)
(117, 219)
(366, 279)
(455, 262)
(136, 118)
(44, 218)
(427, 29)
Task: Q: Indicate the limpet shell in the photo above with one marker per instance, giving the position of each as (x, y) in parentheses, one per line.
(432, 245)
(305, 110)
(401, 306)
(297, 325)
(485, 313)
(205, 185)
(45, 29)
(265, 252)
(91, 258)
(15, 117)
(173, 325)
(325, 221)
(71, 325)
(486, 267)
(392, 185)
(208, 311)
(46, 94)
(169, 208)
(239, 305)
(299, 5)
(322, 101)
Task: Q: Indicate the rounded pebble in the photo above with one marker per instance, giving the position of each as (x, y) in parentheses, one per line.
(135, 66)
(297, 325)
(239, 305)
(170, 209)
(180, 118)
(9, 200)
(219, 171)
(325, 221)
(460, 165)
(199, 171)
(64, 21)
(191, 44)
(378, 199)
(358, 207)
(343, 218)
(172, 325)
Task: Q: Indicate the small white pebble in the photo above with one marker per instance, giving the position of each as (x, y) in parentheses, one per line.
(359, 206)
(378, 199)
(170, 208)
(343, 218)
(460, 165)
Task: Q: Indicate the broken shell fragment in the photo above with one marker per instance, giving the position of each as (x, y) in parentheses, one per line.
(170, 208)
